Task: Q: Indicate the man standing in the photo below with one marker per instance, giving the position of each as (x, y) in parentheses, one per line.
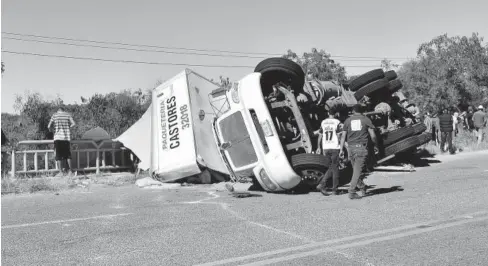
(4, 154)
(357, 131)
(436, 127)
(62, 121)
(469, 119)
(446, 128)
(479, 122)
(328, 142)
(428, 125)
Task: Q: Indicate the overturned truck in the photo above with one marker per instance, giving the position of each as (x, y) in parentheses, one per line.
(262, 127)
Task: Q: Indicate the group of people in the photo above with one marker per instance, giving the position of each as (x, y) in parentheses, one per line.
(446, 125)
(357, 131)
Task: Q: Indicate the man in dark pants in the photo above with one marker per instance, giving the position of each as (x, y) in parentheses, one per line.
(357, 131)
(4, 154)
(63, 122)
(328, 142)
(446, 128)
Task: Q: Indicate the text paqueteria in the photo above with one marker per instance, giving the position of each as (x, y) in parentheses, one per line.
(170, 120)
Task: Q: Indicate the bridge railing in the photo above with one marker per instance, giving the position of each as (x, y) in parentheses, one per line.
(106, 154)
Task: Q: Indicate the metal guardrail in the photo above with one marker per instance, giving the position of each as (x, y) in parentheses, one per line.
(75, 148)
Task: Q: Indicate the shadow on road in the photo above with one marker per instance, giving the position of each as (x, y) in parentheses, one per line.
(378, 191)
(423, 158)
(245, 195)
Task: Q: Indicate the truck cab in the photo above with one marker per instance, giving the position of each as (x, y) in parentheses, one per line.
(264, 134)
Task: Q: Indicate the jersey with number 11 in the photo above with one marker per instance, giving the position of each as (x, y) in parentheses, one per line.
(329, 128)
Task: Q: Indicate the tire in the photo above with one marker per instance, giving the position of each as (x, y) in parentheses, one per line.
(370, 88)
(403, 145)
(397, 134)
(311, 163)
(277, 69)
(419, 128)
(391, 75)
(395, 85)
(316, 90)
(366, 78)
(424, 138)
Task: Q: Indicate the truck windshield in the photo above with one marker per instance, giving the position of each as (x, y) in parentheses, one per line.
(233, 130)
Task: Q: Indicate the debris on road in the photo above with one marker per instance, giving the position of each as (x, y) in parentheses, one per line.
(237, 187)
(403, 168)
(148, 182)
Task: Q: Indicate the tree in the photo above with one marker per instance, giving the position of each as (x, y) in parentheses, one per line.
(388, 65)
(319, 64)
(448, 72)
(37, 111)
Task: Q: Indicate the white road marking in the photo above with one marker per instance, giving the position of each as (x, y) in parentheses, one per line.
(334, 241)
(214, 196)
(226, 208)
(351, 257)
(64, 221)
(117, 206)
(364, 242)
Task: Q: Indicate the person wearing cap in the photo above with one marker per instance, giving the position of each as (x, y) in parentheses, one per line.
(358, 130)
(479, 122)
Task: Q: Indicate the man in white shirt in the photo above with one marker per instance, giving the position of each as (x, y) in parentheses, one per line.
(328, 142)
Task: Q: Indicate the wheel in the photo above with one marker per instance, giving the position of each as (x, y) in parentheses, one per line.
(316, 90)
(397, 134)
(371, 88)
(256, 186)
(311, 167)
(419, 128)
(391, 75)
(425, 137)
(277, 69)
(403, 145)
(366, 78)
(395, 85)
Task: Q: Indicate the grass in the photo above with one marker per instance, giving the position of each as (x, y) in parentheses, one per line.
(465, 141)
(32, 185)
(21, 185)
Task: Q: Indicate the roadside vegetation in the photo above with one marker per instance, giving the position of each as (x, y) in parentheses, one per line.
(33, 184)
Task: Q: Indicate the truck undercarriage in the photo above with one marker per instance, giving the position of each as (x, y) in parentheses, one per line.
(297, 110)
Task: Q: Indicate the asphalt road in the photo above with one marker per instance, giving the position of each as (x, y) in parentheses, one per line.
(437, 215)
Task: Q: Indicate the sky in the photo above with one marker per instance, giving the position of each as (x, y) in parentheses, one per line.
(375, 28)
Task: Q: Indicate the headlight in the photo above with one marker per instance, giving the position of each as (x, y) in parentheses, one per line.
(235, 93)
(267, 182)
(267, 128)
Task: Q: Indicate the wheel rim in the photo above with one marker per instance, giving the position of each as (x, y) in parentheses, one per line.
(311, 176)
